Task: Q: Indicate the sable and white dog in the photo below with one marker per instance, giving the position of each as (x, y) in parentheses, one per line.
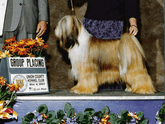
(97, 61)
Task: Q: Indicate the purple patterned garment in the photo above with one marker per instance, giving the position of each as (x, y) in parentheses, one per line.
(110, 29)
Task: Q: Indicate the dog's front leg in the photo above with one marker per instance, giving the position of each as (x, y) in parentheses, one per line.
(87, 80)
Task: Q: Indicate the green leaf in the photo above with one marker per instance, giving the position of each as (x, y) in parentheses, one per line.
(163, 105)
(79, 116)
(112, 118)
(9, 92)
(98, 114)
(85, 121)
(144, 121)
(25, 120)
(124, 114)
(60, 114)
(70, 113)
(105, 110)
(43, 108)
(55, 121)
(119, 121)
(140, 115)
(67, 107)
(161, 113)
(89, 111)
(51, 115)
(29, 117)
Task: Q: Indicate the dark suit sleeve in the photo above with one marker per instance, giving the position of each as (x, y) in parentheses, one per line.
(43, 10)
(132, 8)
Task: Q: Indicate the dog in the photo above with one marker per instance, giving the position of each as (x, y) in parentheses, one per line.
(97, 61)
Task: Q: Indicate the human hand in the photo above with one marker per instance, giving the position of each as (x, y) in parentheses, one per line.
(133, 30)
(133, 26)
(41, 28)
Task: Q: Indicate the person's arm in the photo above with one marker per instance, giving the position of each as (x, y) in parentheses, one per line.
(132, 13)
(133, 26)
(43, 17)
(41, 28)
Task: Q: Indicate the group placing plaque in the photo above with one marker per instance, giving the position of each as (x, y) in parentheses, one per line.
(29, 72)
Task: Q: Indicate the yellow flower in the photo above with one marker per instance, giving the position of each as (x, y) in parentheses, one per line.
(13, 87)
(30, 43)
(22, 51)
(8, 41)
(15, 44)
(2, 104)
(40, 41)
(4, 54)
(2, 81)
(13, 50)
(133, 115)
(21, 42)
(8, 113)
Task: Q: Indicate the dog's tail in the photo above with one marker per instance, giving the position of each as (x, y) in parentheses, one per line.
(130, 51)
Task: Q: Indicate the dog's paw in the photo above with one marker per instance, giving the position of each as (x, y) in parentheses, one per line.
(128, 90)
(144, 91)
(83, 90)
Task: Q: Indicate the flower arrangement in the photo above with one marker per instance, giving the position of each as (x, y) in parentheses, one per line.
(160, 115)
(7, 98)
(23, 48)
(68, 116)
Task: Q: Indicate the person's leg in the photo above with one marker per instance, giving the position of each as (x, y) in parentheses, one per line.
(22, 33)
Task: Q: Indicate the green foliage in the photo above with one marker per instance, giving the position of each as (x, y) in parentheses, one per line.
(105, 110)
(70, 113)
(67, 107)
(55, 121)
(163, 105)
(89, 112)
(140, 115)
(69, 110)
(43, 109)
(124, 114)
(161, 113)
(99, 114)
(119, 121)
(51, 115)
(60, 114)
(144, 121)
(88, 117)
(112, 118)
(28, 118)
(79, 117)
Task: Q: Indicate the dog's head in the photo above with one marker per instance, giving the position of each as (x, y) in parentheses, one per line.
(67, 31)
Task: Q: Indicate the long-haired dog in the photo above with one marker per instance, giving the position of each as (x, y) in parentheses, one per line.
(97, 61)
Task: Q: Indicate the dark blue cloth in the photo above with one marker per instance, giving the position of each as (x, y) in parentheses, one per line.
(104, 29)
(112, 9)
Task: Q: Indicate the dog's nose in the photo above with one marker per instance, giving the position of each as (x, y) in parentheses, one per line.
(54, 28)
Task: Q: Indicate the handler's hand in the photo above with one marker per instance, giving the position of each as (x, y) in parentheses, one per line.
(133, 30)
(41, 28)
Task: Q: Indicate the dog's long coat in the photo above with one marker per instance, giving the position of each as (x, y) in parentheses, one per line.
(97, 61)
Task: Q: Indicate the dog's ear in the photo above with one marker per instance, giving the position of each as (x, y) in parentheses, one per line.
(67, 31)
(72, 33)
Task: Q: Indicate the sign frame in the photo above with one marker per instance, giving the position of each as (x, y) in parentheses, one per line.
(26, 71)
